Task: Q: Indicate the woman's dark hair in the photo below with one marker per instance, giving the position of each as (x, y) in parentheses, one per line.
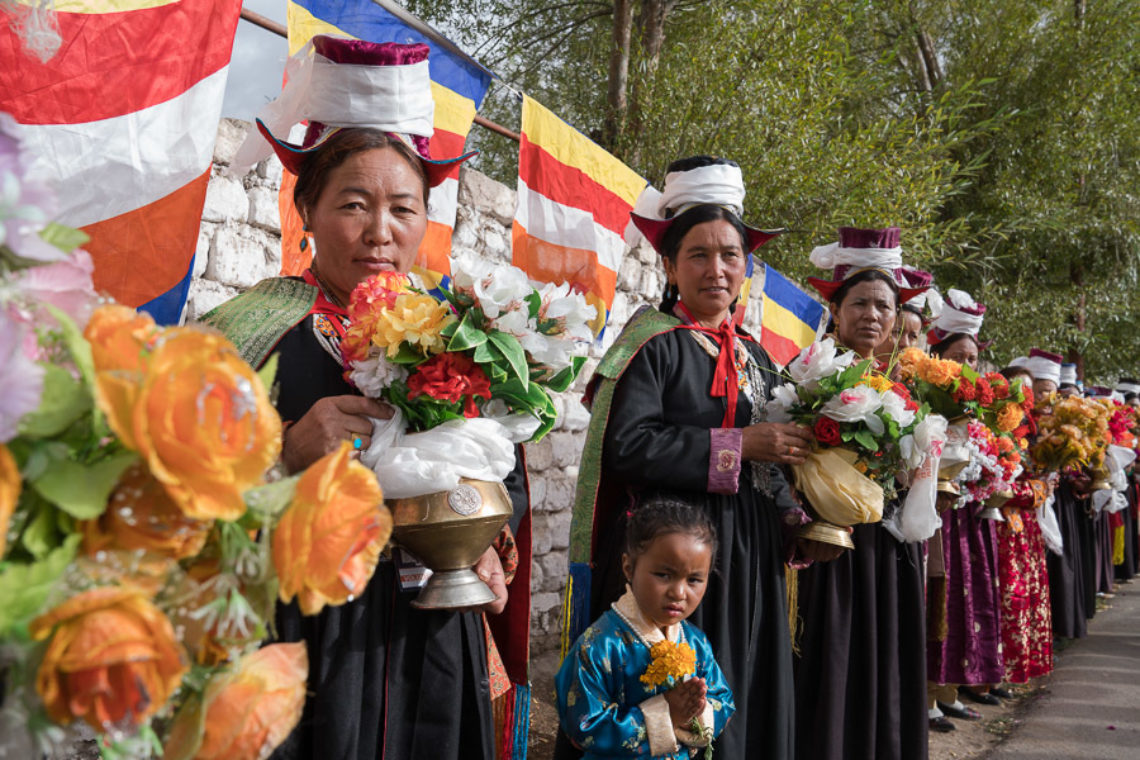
(866, 275)
(1011, 372)
(912, 310)
(345, 143)
(661, 515)
(942, 346)
(690, 218)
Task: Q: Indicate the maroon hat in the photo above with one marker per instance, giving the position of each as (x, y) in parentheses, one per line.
(859, 250)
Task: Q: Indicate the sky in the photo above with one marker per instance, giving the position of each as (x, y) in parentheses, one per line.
(257, 62)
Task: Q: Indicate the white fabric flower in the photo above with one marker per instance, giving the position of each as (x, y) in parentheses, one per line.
(817, 361)
(894, 406)
(376, 373)
(858, 404)
(569, 309)
(784, 397)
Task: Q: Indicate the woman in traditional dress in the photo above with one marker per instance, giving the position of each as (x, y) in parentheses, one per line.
(861, 668)
(676, 409)
(385, 679)
(965, 651)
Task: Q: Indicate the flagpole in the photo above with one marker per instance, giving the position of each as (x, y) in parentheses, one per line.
(279, 29)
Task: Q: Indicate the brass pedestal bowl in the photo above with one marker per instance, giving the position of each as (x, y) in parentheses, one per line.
(448, 531)
(827, 533)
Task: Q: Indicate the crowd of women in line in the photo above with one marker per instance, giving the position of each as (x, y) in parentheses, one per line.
(684, 503)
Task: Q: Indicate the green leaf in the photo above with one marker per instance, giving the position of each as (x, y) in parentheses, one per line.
(407, 355)
(272, 499)
(561, 381)
(80, 489)
(64, 400)
(534, 304)
(513, 351)
(866, 440)
(66, 239)
(486, 353)
(77, 345)
(40, 535)
(467, 335)
(25, 587)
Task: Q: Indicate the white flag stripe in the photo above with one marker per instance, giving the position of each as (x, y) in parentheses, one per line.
(567, 226)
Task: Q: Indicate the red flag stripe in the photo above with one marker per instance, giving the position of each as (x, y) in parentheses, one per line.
(781, 349)
(117, 63)
(547, 176)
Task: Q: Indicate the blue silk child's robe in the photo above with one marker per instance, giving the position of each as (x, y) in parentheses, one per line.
(607, 711)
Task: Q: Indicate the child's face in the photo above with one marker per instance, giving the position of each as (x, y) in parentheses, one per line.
(669, 578)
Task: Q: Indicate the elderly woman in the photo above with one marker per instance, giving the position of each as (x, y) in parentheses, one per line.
(676, 408)
(861, 669)
(385, 680)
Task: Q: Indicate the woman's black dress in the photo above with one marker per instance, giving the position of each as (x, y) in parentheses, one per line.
(1067, 587)
(658, 440)
(861, 667)
(385, 680)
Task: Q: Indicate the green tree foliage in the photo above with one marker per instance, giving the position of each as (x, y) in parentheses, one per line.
(1000, 134)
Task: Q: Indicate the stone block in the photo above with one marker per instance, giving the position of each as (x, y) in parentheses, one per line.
(629, 273)
(231, 134)
(646, 254)
(263, 211)
(536, 577)
(538, 493)
(242, 257)
(560, 493)
(558, 529)
(543, 604)
(485, 194)
(540, 455)
(271, 170)
(620, 312)
(465, 235)
(554, 569)
(202, 249)
(204, 295)
(576, 418)
(566, 447)
(542, 538)
(652, 284)
(225, 200)
(496, 245)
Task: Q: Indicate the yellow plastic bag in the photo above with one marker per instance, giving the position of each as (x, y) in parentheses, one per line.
(838, 492)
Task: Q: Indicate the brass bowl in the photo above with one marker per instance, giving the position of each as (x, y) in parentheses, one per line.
(999, 499)
(946, 485)
(448, 531)
(826, 533)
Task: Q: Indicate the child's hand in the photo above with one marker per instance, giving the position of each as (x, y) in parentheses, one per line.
(686, 701)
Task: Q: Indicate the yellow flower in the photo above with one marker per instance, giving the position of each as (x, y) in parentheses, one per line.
(911, 360)
(414, 318)
(247, 711)
(1009, 418)
(200, 418)
(940, 372)
(113, 658)
(328, 542)
(669, 661)
(9, 492)
(119, 337)
(879, 382)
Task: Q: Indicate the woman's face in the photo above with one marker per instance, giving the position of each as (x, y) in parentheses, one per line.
(908, 328)
(708, 270)
(1042, 388)
(964, 351)
(369, 218)
(866, 316)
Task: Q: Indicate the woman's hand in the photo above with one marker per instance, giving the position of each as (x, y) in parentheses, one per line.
(686, 701)
(817, 551)
(944, 501)
(330, 421)
(489, 568)
(780, 442)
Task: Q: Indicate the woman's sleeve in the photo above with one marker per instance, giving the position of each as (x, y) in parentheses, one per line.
(587, 690)
(719, 703)
(642, 449)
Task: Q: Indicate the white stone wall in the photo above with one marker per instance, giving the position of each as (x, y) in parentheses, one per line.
(239, 244)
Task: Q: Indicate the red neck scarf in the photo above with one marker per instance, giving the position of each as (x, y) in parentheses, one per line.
(324, 306)
(726, 382)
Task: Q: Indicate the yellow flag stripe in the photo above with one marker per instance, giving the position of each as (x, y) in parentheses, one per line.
(783, 322)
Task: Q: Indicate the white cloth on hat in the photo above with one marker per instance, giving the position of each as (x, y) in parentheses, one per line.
(954, 320)
(718, 184)
(1020, 361)
(834, 255)
(1124, 387)
(393, 98)
(646, 206)
(1043, 369)
(1068, 374)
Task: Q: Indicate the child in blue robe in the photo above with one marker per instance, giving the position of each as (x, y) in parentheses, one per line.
(605, 706)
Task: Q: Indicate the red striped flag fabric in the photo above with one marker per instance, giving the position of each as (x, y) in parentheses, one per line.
(458, 87)
(122, 122)
(574, 200)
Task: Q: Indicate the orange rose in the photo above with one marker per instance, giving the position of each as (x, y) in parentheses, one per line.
(247, 711)
(119, 338)
(9, 492)
(1009, 418)
(329, 540)
(911, 360)
(112, 658)
(141, 515)
(199, 417)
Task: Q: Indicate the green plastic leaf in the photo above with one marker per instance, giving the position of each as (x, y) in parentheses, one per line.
(64, 400)
(534, 304)
(272, 498)
(566, 377)
(80, 489)
(866, 440)
(467, 335)
(512, 350)
(407, 355)
(66, 239)
(486, 353)
(25, 587)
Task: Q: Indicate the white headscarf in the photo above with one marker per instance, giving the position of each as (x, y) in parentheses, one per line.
(718, 184)
(1043, 368)
(953, 319)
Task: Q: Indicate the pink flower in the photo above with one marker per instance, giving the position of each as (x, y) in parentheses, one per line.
(26, 205)
(65, 284)
(20, 377)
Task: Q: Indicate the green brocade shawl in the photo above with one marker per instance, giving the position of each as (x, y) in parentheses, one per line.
(646, 324)
(256, 320)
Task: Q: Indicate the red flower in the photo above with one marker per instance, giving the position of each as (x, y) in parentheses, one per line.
(911, 405)
(377, 292)
(901, 390)
(827, 431)
(451, 377)
(985, 392)
(1000, 385)
(966, 390)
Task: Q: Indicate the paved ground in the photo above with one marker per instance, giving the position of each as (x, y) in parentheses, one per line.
(1090, 707)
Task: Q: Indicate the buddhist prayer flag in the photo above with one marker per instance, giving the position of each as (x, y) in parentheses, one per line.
(574, 201)
(122, 122)
(458, 87)
(789, 318)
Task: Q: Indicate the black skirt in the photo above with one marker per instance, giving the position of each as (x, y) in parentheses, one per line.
(1067, 588)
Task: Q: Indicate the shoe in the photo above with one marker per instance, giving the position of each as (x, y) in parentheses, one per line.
(965, 713)
(1001, 693)
(979, 697)
(942, 725)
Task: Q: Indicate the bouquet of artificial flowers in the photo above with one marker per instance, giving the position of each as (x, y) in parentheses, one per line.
(993, 467)
(1071, 432)
(469, 368)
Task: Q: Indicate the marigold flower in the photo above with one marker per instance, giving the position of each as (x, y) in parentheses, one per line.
(200, 418)
(329, 540)
(939, 372)
(671, 662)
(10, 485)
(879, 382)
(248, 710)
(414, 319)
(966, 391)
(112, 658)
(1009, 418)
